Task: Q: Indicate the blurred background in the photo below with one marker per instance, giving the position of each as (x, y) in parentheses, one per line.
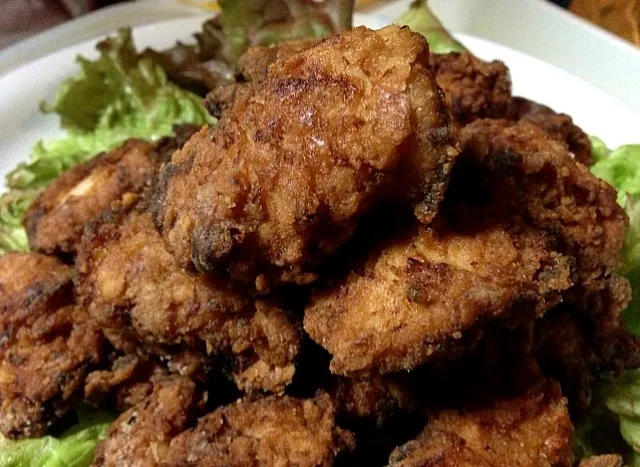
(20, 19)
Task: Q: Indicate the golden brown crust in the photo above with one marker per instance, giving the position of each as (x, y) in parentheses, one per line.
(530, 430)
(42, 371)
(31, 285)
(473, 88)
(537, 177)
(137, 294)
(280, 183)
(140, 437)
(271, 431)
(432, 291)
(559, 127)
(608, 460)
(56, 219)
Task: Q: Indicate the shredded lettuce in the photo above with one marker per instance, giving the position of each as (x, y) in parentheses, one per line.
(116, 97)
(614, 418)
(211, 61)
(421, 19)
(73, 448)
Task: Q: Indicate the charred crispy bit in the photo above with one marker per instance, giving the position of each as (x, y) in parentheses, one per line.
(531, 174)
(559, 127)
(137, 294)
(279, 184)
(141, 435)
(31, 285)
(42, 371)
(372, 399)
(429, 292)
(271, 431)
(532, 429)
(55, 220)
(608, 460)
(473, 88)
(165, 148)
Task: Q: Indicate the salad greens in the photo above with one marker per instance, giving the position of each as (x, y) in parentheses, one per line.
(421, 19)
(73, 448)
(119, 96)
(223, 39)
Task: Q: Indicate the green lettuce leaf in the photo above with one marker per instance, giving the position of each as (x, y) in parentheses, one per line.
(120, 95)
(211, 61)
(73, 448)
(421, 19)
(621, 168)
(613, 423)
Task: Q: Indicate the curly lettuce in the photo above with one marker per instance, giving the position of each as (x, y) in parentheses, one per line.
(618, 401)
(116, 97)
(421, 19)
(211, 61)
(73, 448)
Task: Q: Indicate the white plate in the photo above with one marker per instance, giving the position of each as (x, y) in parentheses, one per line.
(21, 123)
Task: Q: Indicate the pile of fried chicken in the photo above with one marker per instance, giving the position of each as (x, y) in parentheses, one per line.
(377, 256)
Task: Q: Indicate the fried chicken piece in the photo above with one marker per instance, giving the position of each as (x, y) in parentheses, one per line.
(270, 431)
(491, 408)
(430, 292)
(279, 184)
(56, 219)
(31, 285)
(43, 370)
(527, 172)
(140, 437)
(137, 294)
(131, 377)
(473, 88)
(530, 430)
(46, 344)
(559, 127)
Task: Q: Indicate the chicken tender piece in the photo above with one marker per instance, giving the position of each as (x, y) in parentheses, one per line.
(559, 127)
(529, 430)
(531, 174)
(271, 431)
(473, 88)
(300, 155)
(42, 372)
(137, 294)
(140, 437)
(31, 285)
(431, 292)
(56, 219)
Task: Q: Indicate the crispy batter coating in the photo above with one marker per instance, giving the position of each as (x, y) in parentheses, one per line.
(300, 155)
(271, 431)
(138, 295)
(530, 430)
(473, 88)
(531, 174)
(559, 127)
(31, 285)
(56, 219)
(42, 372)
(140, 437)
(431, 291)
